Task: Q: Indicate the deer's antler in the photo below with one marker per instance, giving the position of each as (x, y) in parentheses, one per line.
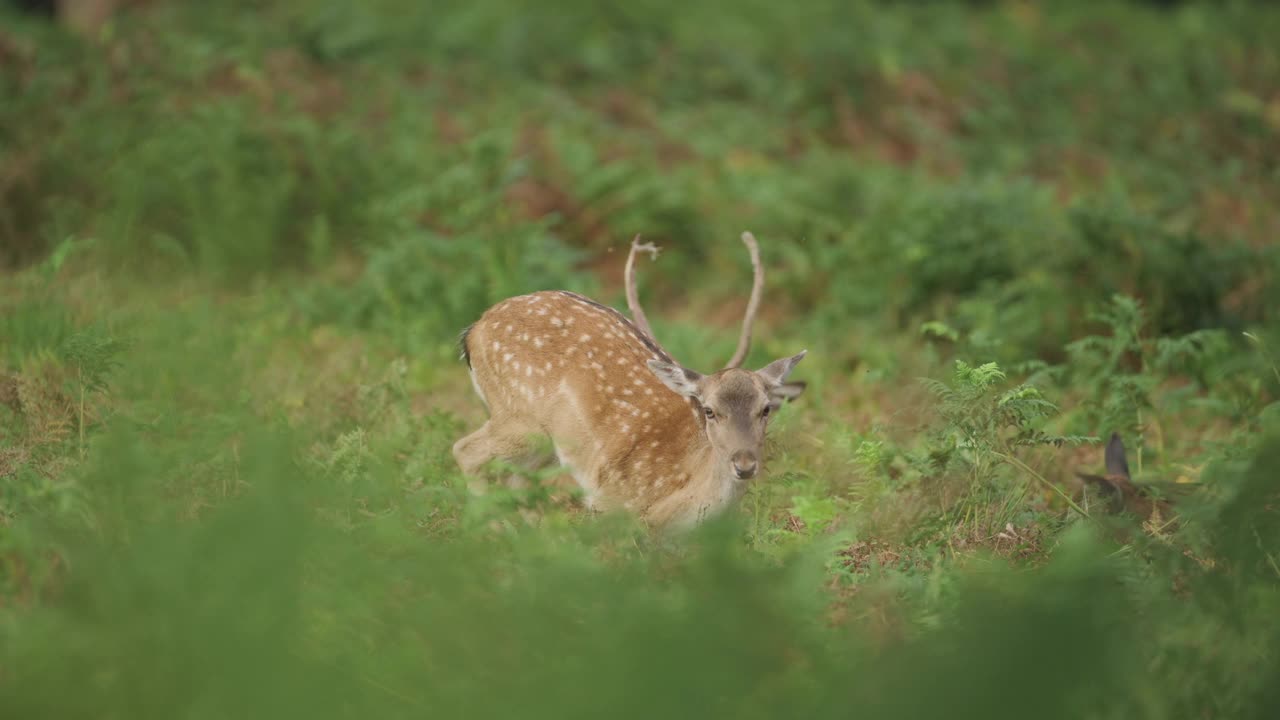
(753, 305)
(633, 298)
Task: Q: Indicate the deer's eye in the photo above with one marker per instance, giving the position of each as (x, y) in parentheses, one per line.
(711, 414)
(765, 413)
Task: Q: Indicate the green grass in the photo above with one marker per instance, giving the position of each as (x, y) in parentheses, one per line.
(237, 247)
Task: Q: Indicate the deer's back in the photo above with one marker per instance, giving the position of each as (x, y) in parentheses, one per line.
(558, 363)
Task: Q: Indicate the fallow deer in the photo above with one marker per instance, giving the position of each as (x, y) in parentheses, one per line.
(1119, 490)
(637, 430)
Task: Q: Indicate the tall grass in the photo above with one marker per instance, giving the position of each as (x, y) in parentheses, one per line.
(237, 244)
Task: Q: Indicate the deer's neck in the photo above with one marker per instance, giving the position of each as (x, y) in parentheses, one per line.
(708, 486)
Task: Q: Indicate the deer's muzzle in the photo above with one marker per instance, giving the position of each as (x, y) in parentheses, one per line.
(744, 464)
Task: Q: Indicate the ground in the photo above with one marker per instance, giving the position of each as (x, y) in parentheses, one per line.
(237, 249)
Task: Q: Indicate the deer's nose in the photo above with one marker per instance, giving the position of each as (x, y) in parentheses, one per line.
(744, 464)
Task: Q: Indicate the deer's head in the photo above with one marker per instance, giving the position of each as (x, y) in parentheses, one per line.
(734, 406)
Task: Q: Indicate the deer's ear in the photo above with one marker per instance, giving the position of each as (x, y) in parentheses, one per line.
(1116, 462)
(777, 371)
(785, 392)
(682, 381)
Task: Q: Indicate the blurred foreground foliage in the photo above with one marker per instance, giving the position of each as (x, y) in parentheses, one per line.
(237, 242)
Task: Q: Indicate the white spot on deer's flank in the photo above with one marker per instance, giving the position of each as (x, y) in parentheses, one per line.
(496, 346)
(507, 357)
(528, 371)
(584, 338)
(556, 321)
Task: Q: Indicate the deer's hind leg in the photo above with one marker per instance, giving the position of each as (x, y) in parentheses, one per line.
(474, 450)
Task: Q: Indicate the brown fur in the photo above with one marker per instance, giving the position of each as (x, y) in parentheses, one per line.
(1118, 488)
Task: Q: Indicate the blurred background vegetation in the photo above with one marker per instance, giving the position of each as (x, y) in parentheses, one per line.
(238, 240)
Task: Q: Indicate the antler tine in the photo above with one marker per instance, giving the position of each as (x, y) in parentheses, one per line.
(633, 298)
(757, 287)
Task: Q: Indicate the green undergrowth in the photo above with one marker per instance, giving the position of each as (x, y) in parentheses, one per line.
(238, 244)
